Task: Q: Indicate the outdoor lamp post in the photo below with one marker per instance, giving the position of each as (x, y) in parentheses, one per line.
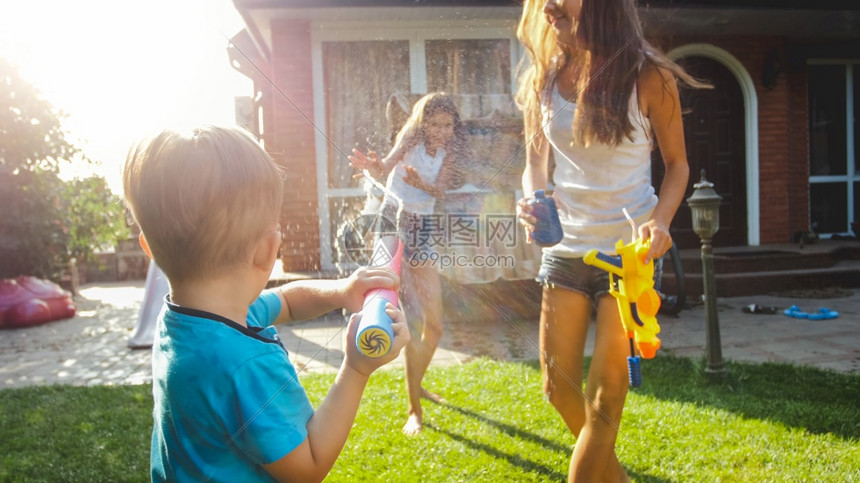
(705, 205)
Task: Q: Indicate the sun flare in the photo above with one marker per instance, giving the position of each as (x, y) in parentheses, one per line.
(121, 70)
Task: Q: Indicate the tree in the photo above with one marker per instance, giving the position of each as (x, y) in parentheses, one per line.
(43, 221)
(31, 136)
(94, 215)
(32, 235)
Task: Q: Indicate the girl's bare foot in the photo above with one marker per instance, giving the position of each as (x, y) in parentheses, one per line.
(432, 396)
(413, 425)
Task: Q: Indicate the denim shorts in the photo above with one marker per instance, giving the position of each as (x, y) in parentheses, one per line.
(573, 274)
(419, 233)
(421, 236)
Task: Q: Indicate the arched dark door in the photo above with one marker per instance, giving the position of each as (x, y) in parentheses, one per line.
(715, 139)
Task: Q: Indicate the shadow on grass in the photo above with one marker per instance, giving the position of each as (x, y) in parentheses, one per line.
(644, 477)
(510, 430)
(817, 400)
(515, 460)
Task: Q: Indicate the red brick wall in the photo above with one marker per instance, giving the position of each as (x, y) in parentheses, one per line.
(290, 140)
(782, 151)
(773, 132)
(798, 148)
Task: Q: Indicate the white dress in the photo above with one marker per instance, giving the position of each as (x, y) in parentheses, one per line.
(416, 201)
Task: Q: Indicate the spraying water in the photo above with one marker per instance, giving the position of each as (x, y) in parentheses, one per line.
(388, 193)
(357, 236)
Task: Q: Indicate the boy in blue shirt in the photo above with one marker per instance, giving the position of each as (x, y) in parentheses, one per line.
(228, 403)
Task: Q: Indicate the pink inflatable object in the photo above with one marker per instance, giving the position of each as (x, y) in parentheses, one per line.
(26, 301)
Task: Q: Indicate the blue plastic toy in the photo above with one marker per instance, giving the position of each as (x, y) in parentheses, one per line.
(548, 231)
(822, 314)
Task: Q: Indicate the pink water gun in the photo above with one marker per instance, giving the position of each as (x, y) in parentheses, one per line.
(374, 335)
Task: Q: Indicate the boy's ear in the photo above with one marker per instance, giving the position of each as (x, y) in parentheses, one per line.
(144, 245)
(267, 250)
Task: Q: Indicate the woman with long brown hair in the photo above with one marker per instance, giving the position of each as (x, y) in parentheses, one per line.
(597, 96)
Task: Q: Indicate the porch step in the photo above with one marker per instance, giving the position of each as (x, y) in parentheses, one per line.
(772, 268)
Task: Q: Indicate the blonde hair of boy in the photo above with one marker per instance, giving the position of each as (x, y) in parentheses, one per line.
(202, 199)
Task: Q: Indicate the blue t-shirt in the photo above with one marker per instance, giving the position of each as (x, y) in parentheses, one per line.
(227, 398)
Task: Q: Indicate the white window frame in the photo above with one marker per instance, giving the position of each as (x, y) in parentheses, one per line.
(416, 33)
(852, 174)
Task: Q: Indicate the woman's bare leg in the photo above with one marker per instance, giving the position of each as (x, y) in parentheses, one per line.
(606, 388)
(565, 317)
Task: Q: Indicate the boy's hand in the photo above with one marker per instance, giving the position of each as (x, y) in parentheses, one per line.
(364, 279)
(366, 365)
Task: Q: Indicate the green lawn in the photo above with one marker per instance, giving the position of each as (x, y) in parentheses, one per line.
(761, 423)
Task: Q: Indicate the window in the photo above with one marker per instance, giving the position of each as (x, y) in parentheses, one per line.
(363, 76)
(833, 138)
(469, 66)
(359, 78)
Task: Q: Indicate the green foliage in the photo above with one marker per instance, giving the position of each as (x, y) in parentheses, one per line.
(44, 221)
(33, 235)
(31, 135)
(765, 422)
(94, 215)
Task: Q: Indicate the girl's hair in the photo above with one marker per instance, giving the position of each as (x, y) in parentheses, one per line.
(413, 131)
(611, 35)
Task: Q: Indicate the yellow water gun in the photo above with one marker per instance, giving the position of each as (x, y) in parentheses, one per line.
(631, 282)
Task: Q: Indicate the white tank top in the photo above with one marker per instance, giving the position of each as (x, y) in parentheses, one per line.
(415, 200)
(593, 184)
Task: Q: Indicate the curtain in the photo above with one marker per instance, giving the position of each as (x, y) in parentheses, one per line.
(359, 77)
(469, 66)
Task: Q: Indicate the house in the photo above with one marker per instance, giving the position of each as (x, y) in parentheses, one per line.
(776, 135)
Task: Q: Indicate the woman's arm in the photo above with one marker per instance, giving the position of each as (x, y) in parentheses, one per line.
(536, 172)
(535, 177)
(660, 102)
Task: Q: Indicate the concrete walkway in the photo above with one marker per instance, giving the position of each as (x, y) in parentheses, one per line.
(90, 349)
